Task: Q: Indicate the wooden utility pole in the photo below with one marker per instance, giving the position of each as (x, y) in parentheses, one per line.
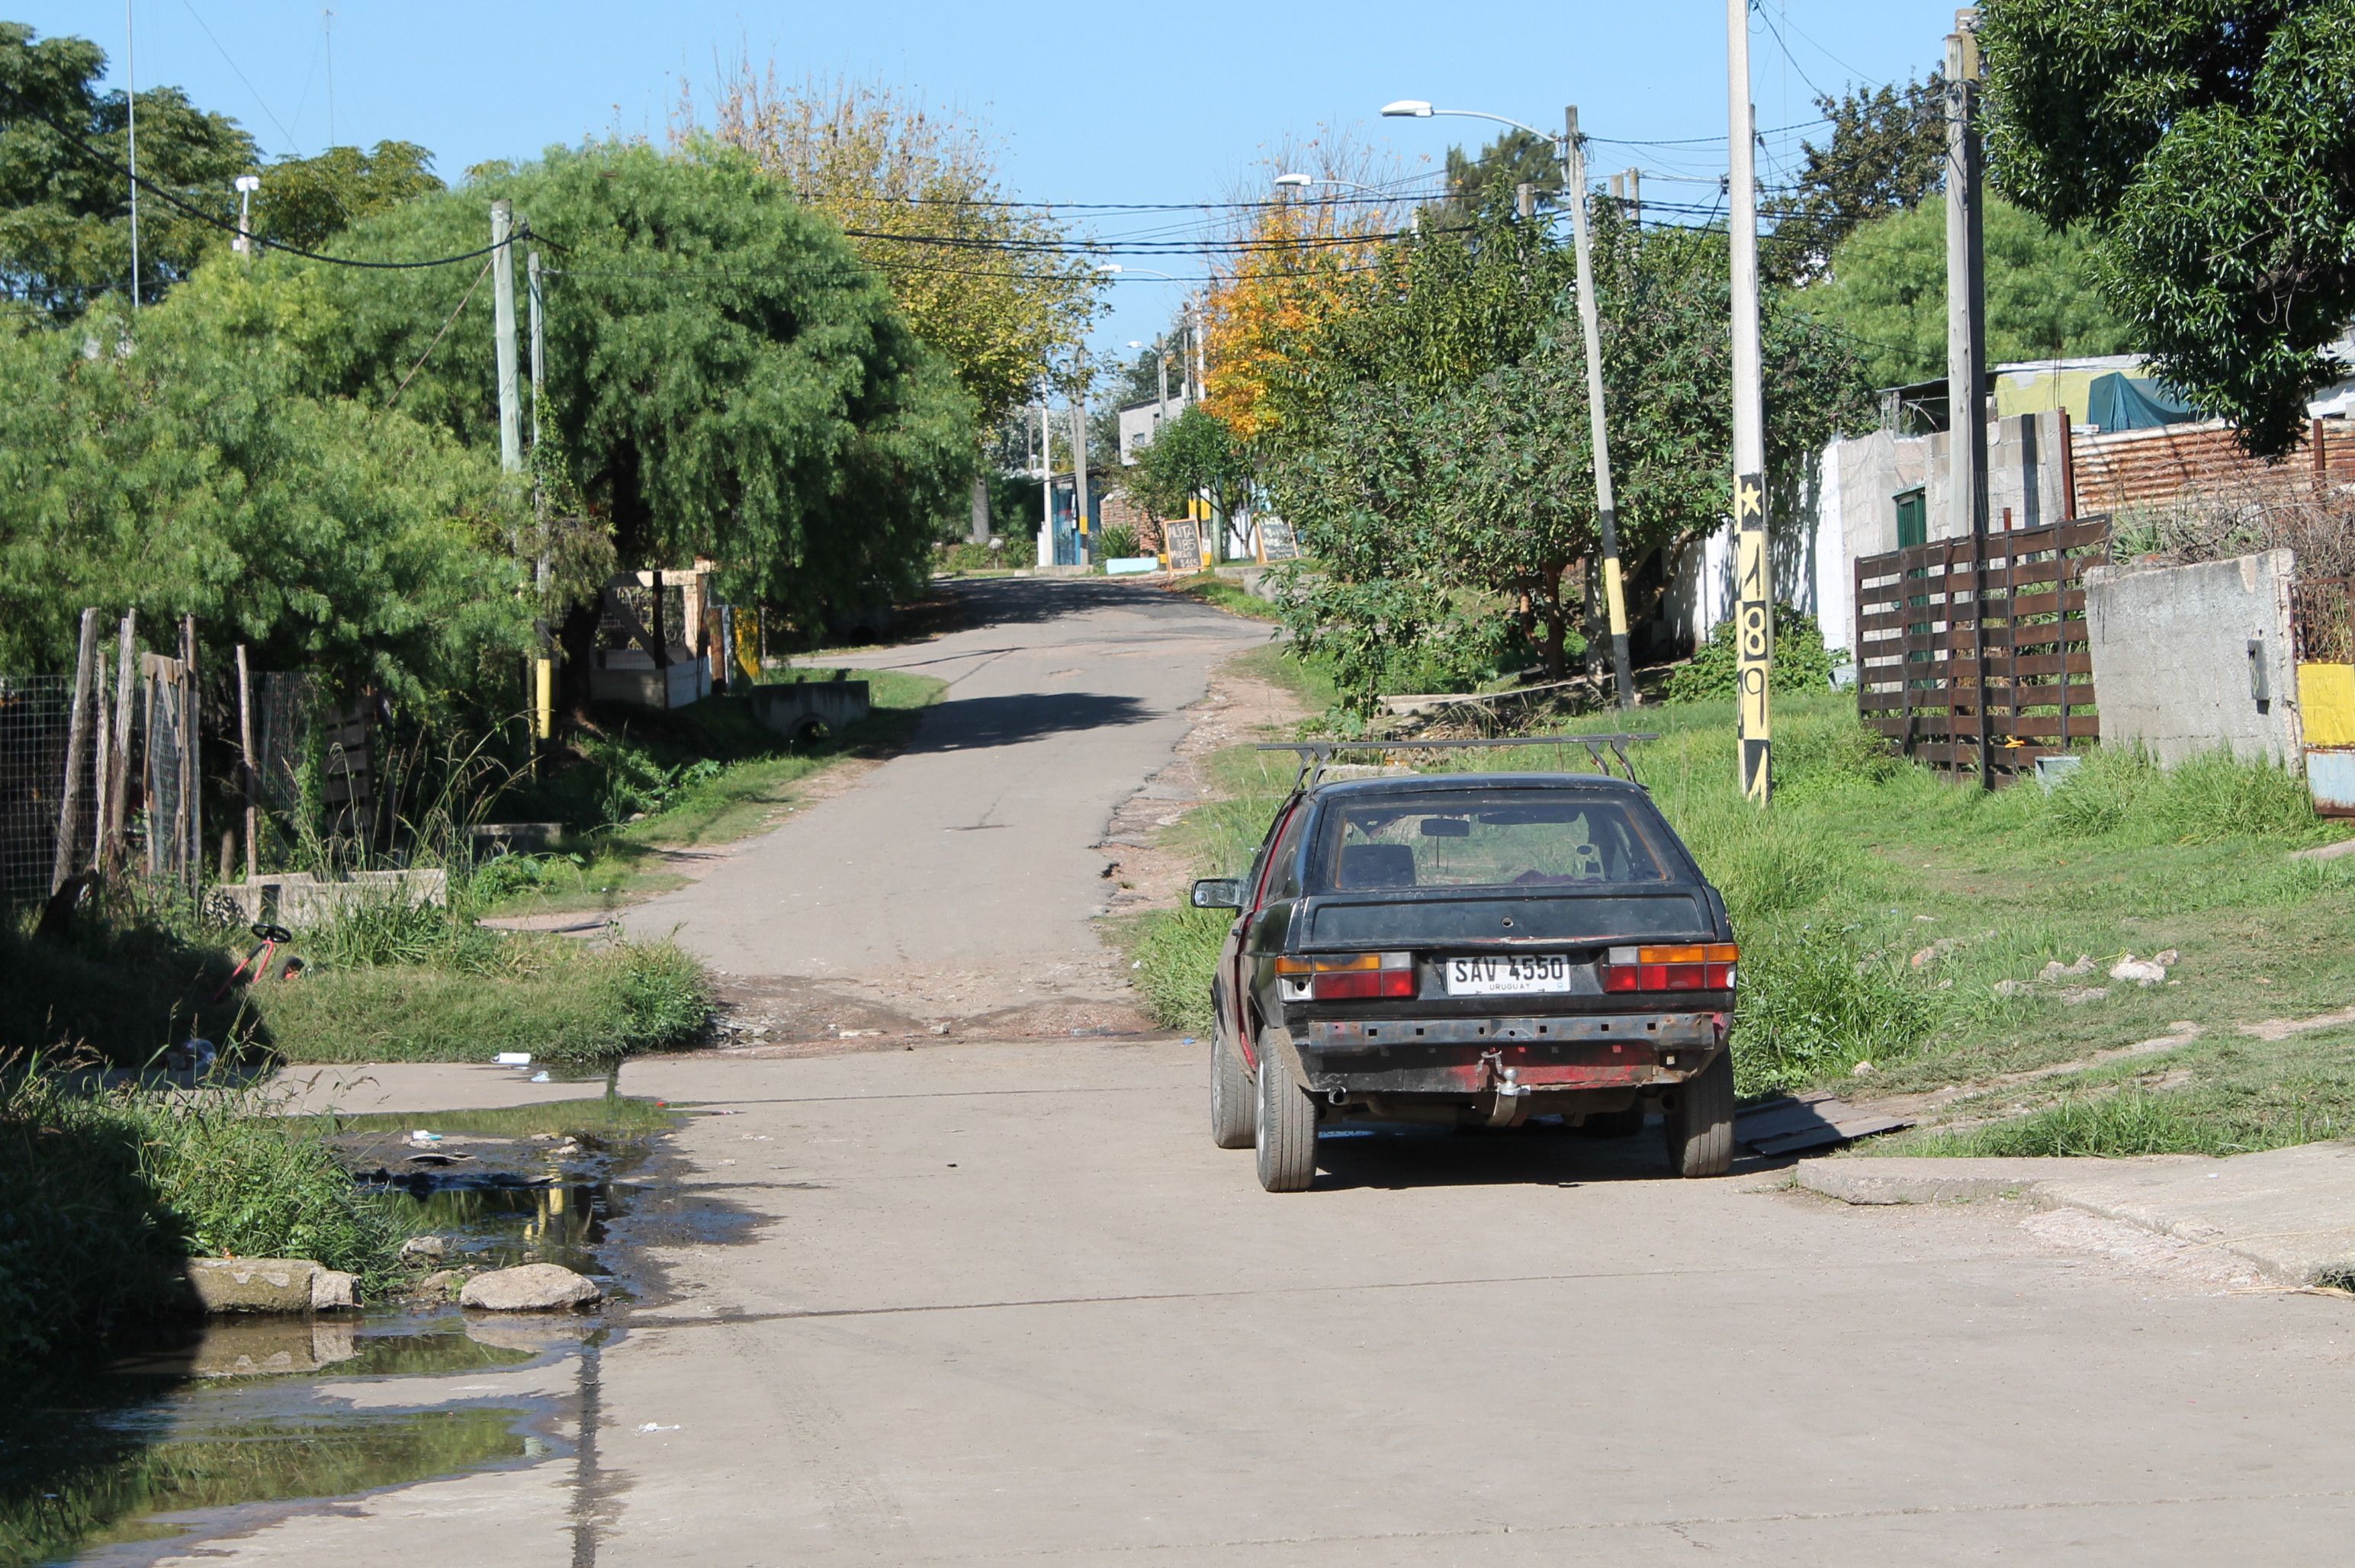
(119, 788)
(192, 768)
(1966, 448)
(62, 864)
(543, 666)
(248, 779)
(1607, 511)
(1753, 573)
(1046, 480)
(503, 326)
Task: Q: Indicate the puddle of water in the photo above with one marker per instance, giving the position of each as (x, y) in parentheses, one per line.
(109, 1466)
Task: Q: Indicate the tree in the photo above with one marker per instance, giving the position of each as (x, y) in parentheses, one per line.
(305, 201)
(986, 283)
(1196, 452)
(2209, 147)
(1888, 291)
(183, 470)
(725, 376)
(1488, 183)
(65, 210)
(1887, 152)
(1443, 479)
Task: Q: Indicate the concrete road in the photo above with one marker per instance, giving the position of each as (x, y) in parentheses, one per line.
(1005, 1304)
(971, 849)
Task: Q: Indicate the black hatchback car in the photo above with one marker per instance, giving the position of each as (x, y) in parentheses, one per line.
(1471, 949)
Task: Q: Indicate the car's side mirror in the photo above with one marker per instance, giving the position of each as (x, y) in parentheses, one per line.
(1219, 893)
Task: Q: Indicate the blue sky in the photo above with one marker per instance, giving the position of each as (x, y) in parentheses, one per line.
(1099, 103)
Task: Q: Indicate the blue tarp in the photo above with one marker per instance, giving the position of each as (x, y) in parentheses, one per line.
(2119, 401)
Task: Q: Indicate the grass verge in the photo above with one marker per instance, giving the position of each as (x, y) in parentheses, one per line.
(1213, 590)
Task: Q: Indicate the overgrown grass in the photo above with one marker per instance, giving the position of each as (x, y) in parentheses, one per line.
(1893, 920)
(101, 1194)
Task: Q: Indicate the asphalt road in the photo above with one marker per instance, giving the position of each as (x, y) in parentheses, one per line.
(972, 848)
(991, 1303)
(1004, 1303)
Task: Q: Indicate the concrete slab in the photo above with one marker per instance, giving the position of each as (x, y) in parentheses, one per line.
(2290, 1211)
(363, 1088)
(1889, 1178)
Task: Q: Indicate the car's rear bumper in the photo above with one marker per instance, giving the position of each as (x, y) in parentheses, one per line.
(1518, 1055)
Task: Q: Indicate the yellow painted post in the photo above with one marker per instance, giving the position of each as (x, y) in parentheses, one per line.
(1753, 635)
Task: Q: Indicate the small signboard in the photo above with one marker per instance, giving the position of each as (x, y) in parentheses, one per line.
(1183, 538)
(1276, 542)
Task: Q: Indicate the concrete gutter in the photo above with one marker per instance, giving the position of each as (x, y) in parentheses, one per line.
(2289, 1213)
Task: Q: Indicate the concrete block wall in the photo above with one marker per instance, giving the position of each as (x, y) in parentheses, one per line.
(2172, 660)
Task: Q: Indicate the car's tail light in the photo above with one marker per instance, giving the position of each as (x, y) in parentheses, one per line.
(1354, 976)
(1708, 968)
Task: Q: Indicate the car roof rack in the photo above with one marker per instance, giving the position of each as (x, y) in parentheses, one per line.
(1315, 754)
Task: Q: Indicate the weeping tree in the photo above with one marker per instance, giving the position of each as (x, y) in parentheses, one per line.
(725, 376)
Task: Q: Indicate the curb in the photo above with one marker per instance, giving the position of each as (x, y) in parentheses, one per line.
(2289, 1213)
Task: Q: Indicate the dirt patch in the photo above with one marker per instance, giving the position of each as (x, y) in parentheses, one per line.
(1146, 873)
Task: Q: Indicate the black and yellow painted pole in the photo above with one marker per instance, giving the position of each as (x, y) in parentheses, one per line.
(1753, 635)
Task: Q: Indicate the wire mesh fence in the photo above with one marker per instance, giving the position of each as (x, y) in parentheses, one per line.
(36, 717)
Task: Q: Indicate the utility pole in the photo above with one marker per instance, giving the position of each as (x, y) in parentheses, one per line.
(130, 103)
(1046, 480)
(1754, 574)
(1606, 510)
(1079, 459)
(503, 320)
(1966, 449)
(543, 664)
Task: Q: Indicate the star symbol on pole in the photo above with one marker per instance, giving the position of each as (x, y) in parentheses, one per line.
(1748, 499)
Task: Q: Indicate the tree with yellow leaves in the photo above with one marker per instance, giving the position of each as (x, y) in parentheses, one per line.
(986, 283)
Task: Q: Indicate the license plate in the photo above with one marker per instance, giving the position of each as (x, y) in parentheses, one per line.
(1507, 975)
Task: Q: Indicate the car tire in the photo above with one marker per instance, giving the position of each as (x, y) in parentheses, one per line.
(1285, 1127)
(1699, 1121)
(1234, 1118)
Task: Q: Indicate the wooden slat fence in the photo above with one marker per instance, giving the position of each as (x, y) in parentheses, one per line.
(1972, 653)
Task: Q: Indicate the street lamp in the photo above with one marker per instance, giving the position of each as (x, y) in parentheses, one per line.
(1115, 268)
(246, 186)
(1570, 149)
(1302, 182)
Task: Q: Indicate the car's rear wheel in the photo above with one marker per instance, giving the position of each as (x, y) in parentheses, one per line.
(1699, 1121)
(1286, 1130)
(1234, 1117)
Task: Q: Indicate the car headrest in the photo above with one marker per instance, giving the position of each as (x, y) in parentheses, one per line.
(1378, 866)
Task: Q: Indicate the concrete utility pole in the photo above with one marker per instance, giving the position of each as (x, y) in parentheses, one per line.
(1079, 461)
(1046, 482)
(503, 322)
(1966, 446)
(1605, 508)
(130, 104)
(1753, 573)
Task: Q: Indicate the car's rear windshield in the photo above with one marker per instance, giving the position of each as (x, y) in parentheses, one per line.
(1506, 839)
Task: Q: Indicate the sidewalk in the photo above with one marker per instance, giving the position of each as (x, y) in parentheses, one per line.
(2289, 1212)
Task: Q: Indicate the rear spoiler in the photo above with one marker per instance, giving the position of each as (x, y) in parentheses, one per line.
(1315, 754)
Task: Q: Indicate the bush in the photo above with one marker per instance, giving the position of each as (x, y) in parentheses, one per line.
(1801, 663)
(1118, 542)
(966, 556)
(101, 1194)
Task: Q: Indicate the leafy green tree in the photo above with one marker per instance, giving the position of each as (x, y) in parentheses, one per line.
(304, 201)
(1488, 183)
(1888, 293)
(183, 470)
(65, 210)
(1887, 150)
(2210, 147)
(1195, 452)
(725, 378)
(1439, 464)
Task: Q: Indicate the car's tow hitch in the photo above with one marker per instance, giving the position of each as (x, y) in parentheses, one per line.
(1508, 1104)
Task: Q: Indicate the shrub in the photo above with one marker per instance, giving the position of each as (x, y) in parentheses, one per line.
(1801, 663)
(1118, 542)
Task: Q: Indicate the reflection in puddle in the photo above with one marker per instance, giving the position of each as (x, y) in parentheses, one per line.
(230, 1416)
